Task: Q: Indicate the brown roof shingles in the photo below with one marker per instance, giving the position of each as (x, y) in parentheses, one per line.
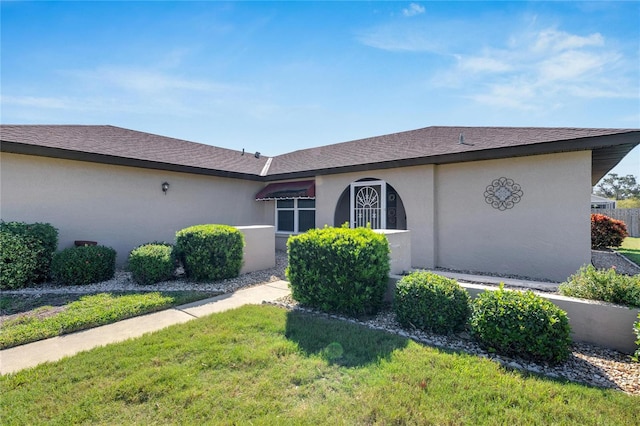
(118, 143)
(437, 145)
(430, 143)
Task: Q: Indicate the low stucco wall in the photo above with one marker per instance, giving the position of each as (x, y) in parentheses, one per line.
(258, 254)
(400, 249)
(598, 323)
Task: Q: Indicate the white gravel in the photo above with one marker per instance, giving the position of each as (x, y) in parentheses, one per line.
(122, 282)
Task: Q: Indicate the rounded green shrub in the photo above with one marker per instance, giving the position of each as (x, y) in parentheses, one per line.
(339, 269)
(603, 284)
(210, 252)
(607, 232)
(83, 265)
(41, 238)
(431, 302)
(522, 324)
(152, 263)
(18, 261)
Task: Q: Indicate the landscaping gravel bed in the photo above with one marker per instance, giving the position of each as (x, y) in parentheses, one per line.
(122, 282)
(607, 259)
(587, 364)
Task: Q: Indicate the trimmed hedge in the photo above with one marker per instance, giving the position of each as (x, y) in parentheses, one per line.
(210, 252)
(607, 232)
(18, 261)
(41, 239)
(522, 324)
(152, 263)
(603, 285)
(83, 265)
(339, 269)
(431, 302)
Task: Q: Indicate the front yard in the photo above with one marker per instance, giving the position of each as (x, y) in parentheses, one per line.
(267, 365)
(631, 249)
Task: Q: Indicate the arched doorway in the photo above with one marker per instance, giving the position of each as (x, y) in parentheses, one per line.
(370, 201)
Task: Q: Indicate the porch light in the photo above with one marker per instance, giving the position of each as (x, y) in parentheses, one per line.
(165, 187)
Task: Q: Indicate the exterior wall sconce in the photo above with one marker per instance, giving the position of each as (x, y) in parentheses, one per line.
(165, 187)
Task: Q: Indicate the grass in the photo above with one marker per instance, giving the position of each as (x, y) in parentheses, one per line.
(631, 249)
(265, 365)
(53, 315)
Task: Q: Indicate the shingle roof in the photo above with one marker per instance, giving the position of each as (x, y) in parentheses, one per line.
(442, 145)
(429, 145)
(115, 144)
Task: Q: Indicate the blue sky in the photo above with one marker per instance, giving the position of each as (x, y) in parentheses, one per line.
(276, 77)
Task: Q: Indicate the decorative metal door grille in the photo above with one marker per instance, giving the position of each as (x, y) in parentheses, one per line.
(368, 207)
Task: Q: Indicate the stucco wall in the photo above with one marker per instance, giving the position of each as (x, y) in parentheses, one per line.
(117, 206)
(545, 235)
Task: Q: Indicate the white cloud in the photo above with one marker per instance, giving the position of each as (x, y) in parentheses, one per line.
(557, 41)
(401, 39)
(37, 102)
(413, 10)
(484, 64)
(542, 70)
(144, 80)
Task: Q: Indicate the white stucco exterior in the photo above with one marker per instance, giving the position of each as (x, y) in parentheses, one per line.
(545, 235)
(120, 207)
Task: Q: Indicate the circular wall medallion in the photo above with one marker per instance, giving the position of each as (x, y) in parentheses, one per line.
(503, 194)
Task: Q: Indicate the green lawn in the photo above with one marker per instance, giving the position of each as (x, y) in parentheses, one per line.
(265, 365)
(53, 315)
(631, 249)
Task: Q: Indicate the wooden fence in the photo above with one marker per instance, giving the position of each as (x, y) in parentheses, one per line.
(631, 217)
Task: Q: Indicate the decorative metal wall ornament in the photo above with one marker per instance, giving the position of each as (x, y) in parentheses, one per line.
(503, 194)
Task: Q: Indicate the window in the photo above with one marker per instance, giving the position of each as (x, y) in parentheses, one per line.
(295, 215)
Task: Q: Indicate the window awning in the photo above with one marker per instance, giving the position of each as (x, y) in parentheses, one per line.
(282, 190)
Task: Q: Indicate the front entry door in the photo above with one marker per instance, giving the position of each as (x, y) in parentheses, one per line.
(369, 204)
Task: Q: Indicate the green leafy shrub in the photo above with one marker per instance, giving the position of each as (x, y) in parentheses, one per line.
(522, 324)
(18, 261)
(41, 238)
(603, 285)
(152, 263)
(339, 269)
(431, 302)
(83, 265)
(210, 252)
(636, 329)
(607, 232)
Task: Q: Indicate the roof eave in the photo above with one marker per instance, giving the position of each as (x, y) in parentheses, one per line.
(43, 151)
(607, 152)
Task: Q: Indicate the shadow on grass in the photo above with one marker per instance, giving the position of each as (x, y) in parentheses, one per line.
(340, 342)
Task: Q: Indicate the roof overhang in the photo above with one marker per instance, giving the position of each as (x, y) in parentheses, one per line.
(607, 152)
(65, 154)
(288, 190)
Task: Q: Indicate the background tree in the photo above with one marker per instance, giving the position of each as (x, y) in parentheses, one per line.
(619, 187)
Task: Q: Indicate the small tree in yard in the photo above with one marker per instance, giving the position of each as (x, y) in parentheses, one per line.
(607, 232)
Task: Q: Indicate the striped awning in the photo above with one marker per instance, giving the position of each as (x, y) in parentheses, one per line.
(283, 190)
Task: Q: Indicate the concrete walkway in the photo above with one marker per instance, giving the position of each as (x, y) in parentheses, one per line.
(32, 354)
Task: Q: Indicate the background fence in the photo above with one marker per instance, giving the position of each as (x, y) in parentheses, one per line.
(631, 217)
